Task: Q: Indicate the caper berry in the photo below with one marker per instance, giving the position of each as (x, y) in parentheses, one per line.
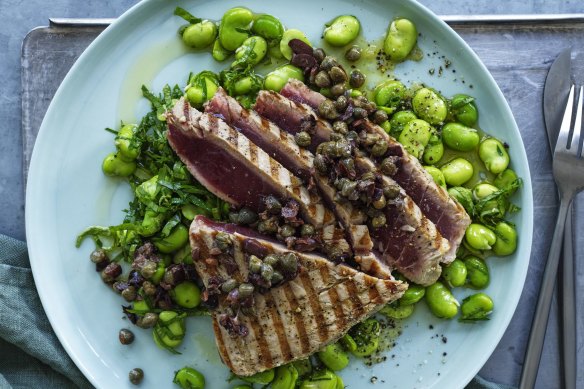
(319, 54)
(307, 230)
(340, 126)
(245, 290)
(388, 167)
(328, 62)
(303, 139)
(246, 216)
(327, 109)
(98, 256)
(273, 205)
(379, 148)
(228, 285)
(338, 75)
(353, 54)
(391, 191)
(379, 116)
(136, 376)
(357, 79)
(338, 89)
(360, 113)
(341, 103)
(286, 231)
(267, 272)
(378, 221)
(255, 264)
(126, 336)
(320, 164)
(322, 79)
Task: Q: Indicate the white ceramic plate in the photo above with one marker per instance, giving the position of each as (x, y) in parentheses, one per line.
(67, 192)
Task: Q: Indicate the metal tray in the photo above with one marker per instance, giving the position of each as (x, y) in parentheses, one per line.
(517, 50)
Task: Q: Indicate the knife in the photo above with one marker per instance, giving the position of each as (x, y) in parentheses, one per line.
(555, 95)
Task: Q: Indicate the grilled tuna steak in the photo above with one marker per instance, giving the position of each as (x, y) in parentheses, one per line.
(234, 168)
(449, 217)
(289, 321)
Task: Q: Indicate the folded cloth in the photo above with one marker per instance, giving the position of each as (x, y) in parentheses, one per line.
(31, 355)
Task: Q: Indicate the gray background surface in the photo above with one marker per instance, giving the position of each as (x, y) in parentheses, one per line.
(522, 86)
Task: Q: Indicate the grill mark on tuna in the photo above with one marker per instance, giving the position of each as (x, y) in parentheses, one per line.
(297, 317)
(311, 293)
(221, 344)
(276, 316)
(354, 296)
(286, 313)
(337, 307)
(262, 332)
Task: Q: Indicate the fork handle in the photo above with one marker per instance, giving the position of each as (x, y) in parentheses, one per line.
(542, 310)
(568, 307)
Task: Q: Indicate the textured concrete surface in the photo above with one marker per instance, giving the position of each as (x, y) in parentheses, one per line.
(18, 17)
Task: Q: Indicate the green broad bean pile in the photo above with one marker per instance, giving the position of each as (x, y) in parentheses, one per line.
(443, 133)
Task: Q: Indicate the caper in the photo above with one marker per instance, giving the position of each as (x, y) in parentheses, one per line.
(338, 89)
(129, 294)
(136, 376)
(340, 126)
(255, 264)
(322, 79)
(338, 75)
(246, 216)
(148, 320)
(125, 336)
(391, 191)
(245, 290)
(352, 135)
(267, 272)
(319, 54)
(341, 103)
(342, 149)
(357, 79)
(277, 277)
(360, 113)
(287, 230)
(269, 226)
(369, 140)
(98, 256)
(379, 148)
(368, 176)
(348, 164)
(327, 109)
(353, 54)
(272, 259)
(228, 285)
(378, 221)
(379, 203)
(379, 116)
(388, 167)
(328, 62)
(307, 230)
(223, 241)
(335, 137)
(273, 205)
(149, 288)
(349, 190)
(289, 262)
(320, 164)
(303, 139)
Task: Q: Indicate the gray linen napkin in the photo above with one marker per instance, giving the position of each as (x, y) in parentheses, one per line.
(30, 353)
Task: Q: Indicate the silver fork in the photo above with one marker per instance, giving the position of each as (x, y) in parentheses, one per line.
(568, 169)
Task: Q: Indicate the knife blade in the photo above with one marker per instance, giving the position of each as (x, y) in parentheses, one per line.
(556, 89)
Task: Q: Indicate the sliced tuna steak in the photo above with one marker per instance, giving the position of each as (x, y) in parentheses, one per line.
(232, 167)
(290, 321)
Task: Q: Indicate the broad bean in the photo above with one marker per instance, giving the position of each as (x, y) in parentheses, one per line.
(152, 223)
(243, 86)
(476, 307)
(506, 242)
(252, 50)
(183, 255)
(366, 335)
(264, 377)
(390, 94)
(412, 295)
(441, 301)
(480, 237)
(285, 377)
(201, 88)
(434, 150)
(397, 310)
(276, 79)
(233, 23)
(200, 35)
(218, 52)
(464, 110)
(268, 27)
(127, 143)
(463, 196)
(186, 294)
(342, 30)
(494, 156)
(457, 172)
(460, 137)
(177, 238)
(477, 272)
(189, 378)
(429, 106)
(114, 166)
(505, 178)
(455, 273)
(436, 175)
(348, 343)
(400, 40)
(287, 37)
(169, 330)
(242, 387)
(303, 367)
(415, 136)
(323, 379)
(483, 190)
(159, 273)
(399, 120)
(334, 357)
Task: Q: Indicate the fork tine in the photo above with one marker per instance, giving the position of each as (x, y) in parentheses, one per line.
(564, 134)
(577, 125)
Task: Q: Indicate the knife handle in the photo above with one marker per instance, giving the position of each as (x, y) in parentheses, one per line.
(568, 308)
